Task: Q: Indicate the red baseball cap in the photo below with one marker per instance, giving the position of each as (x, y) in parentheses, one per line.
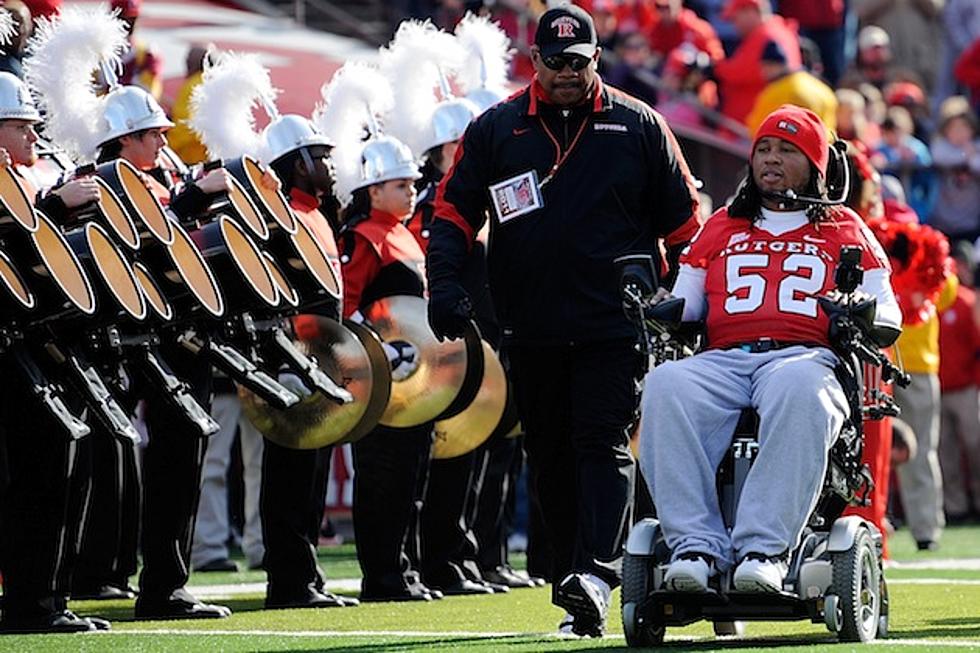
(127, 8)
(735, 5)
(904, 93)
(802, 128)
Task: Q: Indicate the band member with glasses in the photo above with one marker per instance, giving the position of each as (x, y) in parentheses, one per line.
(574, 174)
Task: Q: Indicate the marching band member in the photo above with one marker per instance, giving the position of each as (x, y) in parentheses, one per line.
(41, 482)
(379, 258)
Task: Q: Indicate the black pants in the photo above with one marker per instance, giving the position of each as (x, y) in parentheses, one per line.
(172, 480)
(390, 469)
(40, 503)
(578, 404)
(446, 542)
(500, 462)
(110, 534)
(294, 485)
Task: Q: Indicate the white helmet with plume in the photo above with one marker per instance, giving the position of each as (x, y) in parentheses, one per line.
(223, 109)
(484, 77)
(354, 101)
(62, 55)
(418, 63)
(16, 102)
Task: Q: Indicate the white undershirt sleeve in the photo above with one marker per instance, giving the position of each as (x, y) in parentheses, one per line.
(877, 283)
(690, 286)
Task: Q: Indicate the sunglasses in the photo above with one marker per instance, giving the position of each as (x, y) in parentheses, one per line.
(574, 61)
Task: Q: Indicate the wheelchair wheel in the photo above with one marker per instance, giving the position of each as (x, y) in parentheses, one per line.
(636, 586)
(857, 583)
(883, 613)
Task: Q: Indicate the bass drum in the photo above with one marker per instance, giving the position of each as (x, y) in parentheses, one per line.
(317, 421)
(473, 426)
(439, 372)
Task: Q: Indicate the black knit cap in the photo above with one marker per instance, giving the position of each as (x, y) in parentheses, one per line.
(566, 30)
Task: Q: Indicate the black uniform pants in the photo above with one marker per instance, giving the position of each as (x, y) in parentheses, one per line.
(390, 469)
(110, 534)
(500, 463)
(446, 542)
(40, 503)
(294, 485)
(578, 404)
(172, 464)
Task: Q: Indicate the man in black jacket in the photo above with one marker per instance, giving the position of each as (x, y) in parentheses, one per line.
(574, 175)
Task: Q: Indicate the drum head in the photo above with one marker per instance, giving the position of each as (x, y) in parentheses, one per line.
(15, 201)
(249, 261)
(146, 205)
(287, 293)
(270, 199)
(194, 272)
(441, 366)
(154, 297)
(62, 265)
(246, 210)
(472, 427)
(116, 272)
(314, 259)
(116, 216)
(15, 284)
(317, 421)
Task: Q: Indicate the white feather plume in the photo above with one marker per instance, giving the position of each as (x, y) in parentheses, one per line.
(488, 54)
(223, 105)
(63, 54)
(354, 103)
(415, 62)
(8, 29)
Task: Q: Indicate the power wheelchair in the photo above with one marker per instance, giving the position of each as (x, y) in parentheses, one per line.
(835, 573)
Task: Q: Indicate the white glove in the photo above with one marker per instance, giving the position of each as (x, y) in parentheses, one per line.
(294, 384)
(403, 358)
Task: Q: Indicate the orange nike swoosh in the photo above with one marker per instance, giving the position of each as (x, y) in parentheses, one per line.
(518, 132)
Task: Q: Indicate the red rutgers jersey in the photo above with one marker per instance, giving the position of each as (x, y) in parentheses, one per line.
(762, 285)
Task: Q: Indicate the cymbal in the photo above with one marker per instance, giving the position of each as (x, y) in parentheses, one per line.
(474, 374)
(441, 366)
(317, 421)
(472, 427)
(381, 375)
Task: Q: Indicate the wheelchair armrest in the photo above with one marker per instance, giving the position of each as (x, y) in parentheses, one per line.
(667, 312)
(884, 335)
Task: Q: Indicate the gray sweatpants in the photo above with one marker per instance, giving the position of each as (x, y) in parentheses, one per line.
(920, 479)
(690, 409)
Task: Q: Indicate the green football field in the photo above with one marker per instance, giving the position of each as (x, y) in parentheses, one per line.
(935, 606)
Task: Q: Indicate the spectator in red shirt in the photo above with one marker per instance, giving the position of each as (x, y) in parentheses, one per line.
(967, 71)
(821, 21)
(678, 25)
(959, 352)
(740, 76)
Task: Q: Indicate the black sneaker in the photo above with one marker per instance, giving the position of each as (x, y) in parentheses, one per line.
(586, 602)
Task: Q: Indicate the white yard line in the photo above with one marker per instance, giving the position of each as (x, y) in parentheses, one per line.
(420, 634)
(957, 564)
(933, 581)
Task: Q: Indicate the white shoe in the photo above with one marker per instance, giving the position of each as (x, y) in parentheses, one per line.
(757, 573)
(689, 573)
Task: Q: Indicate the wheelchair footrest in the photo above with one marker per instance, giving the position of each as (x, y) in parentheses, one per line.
(679, 608)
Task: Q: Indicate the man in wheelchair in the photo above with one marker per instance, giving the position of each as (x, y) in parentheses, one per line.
(761, 274)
